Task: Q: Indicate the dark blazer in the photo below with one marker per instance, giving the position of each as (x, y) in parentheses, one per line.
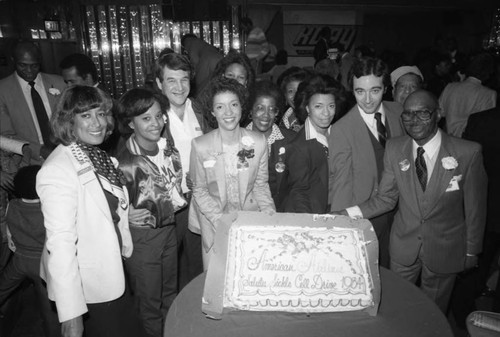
(277, 180)
(307, 181)
(482, 127)
(353, 167)
(447, 220)
(15, 116)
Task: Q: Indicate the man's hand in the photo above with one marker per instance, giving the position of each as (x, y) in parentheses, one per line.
(342, 212)
(470, 262)
(72, 327)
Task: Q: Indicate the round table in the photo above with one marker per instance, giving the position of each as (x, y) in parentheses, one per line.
(404, 311)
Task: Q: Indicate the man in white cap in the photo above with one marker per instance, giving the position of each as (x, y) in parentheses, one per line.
(405, 80)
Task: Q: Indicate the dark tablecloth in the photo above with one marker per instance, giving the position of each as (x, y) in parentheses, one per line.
(404, 312)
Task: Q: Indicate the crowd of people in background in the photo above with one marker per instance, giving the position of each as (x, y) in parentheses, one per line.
(112, 206)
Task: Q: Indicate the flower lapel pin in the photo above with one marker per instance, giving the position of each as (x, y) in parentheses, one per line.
(449, 163)
(404, 165)
(54, 91)
(247, 152)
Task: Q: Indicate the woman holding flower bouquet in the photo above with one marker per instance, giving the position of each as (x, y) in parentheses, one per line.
(229, 166)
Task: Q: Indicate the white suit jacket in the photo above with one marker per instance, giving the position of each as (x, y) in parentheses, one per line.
(209, 179)
(82, 260)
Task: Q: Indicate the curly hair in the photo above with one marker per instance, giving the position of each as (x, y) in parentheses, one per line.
(137, 101)
(269, 89)
(318, 84)
(239, 58)
(217, 86)
(76, 100)
(134, 103)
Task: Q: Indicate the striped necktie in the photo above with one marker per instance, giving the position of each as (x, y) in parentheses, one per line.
(382, 132)
(421, 167)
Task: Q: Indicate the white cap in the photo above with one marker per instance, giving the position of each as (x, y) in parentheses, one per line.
(396, 74)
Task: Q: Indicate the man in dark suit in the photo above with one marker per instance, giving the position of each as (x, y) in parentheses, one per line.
(440, 183)
(356, 145)
(21, 115)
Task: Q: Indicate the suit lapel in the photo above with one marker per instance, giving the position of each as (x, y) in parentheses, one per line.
(409, 178)
(220, 172)
(393, 122)
(17, 91)
(244, 174)
(90, 183)
(440, 177)
(47, 85)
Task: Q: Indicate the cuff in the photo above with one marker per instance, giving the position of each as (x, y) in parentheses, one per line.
(354, 212)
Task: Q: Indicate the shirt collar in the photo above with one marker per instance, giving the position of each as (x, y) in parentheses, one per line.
(370, 118)
(311, 133)
(25, 84)
(274, 136)
(431, 147)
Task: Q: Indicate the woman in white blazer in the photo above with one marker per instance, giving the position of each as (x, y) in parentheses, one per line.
(229, 166)
(85, 209)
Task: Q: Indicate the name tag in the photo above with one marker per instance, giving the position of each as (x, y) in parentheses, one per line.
(86, 175)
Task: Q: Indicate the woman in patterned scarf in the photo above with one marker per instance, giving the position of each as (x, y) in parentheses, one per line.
(152, 168)
(85, 209)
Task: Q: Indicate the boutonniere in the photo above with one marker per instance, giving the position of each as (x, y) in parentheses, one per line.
(404, 165)
(54, 91)
(449, 163)
(280, 165)
(245, 153)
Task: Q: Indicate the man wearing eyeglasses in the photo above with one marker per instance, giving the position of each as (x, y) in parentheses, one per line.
(440, 184)
(27, 99)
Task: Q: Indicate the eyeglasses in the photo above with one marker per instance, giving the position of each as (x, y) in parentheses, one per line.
(423, 115)
(259, 110)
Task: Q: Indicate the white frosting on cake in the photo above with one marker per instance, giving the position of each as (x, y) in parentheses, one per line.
(297, 269)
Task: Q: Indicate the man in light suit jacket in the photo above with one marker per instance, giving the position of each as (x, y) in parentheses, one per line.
(438, 228)
(18, 118)
(210, 196)
(356, 149)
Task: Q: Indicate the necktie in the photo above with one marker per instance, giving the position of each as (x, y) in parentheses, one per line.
(382, 133)
(421, 168)
(41, 114)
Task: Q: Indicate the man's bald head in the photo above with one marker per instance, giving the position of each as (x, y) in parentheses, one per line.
(422, 98)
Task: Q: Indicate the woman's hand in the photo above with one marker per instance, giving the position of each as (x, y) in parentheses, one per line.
(140, 216)
(72, 327)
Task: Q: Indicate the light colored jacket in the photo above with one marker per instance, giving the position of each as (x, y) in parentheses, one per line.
(82, 259)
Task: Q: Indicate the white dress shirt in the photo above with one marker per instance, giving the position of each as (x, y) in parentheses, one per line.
(370, 120)
(184, 131)
(27, 95)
